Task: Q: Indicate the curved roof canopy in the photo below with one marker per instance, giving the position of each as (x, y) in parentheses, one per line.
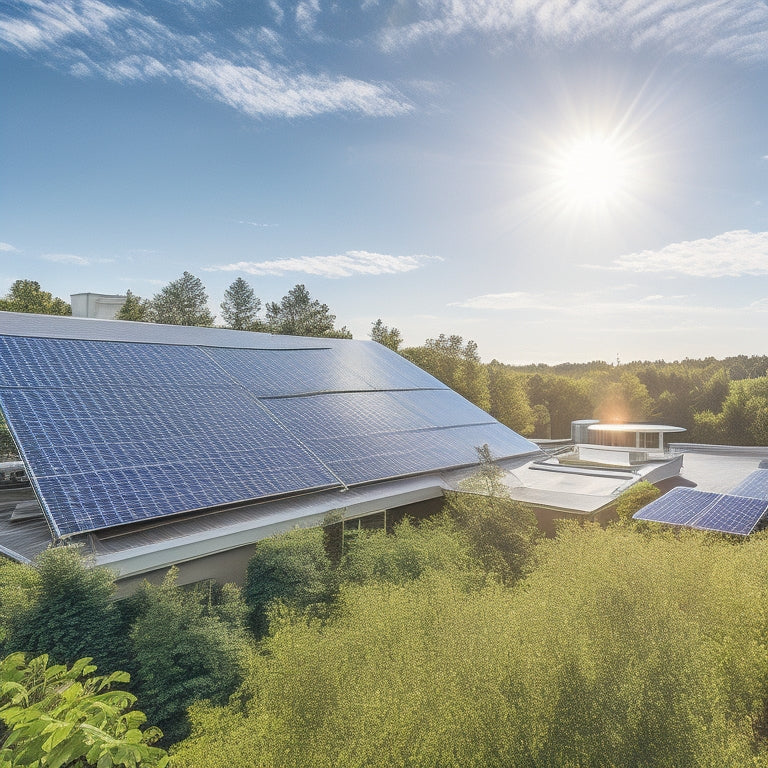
(634, 428)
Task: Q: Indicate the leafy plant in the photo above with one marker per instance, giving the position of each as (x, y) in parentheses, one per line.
(53, 716)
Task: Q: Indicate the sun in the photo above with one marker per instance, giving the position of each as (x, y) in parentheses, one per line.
(591, 172)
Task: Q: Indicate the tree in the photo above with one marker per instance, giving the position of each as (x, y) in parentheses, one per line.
(625, 400)
(54, 716)
(298, 314)
(182, 302)
(135, 308)
(185, 650)
(7, 446)
(509, 400)
(292, 568)
(634, 499)
(565, 400)
(502, 531)
(241, 306)
(27, 296)
(456, 364)
(388, 337)
(409, 553)
(65, 609)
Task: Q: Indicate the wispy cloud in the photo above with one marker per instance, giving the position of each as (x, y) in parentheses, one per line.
(600, 304)
(71, 258)
(732, 254)
(94, 38)
(258, 224)
(7, 248)
(733, 29)
(269, 90)
(342, 265)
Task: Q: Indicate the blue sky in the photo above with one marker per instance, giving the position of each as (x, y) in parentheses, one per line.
(555, 179)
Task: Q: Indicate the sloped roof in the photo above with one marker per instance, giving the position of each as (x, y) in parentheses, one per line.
(121, 422)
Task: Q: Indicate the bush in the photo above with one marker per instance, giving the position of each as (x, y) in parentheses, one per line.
(62, 606)
(291, 568)
(184, 652)
(617, 650)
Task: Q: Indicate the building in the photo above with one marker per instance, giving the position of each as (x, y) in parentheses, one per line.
(99, 305)
(155, 445)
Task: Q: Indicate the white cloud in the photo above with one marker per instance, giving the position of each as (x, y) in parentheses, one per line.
(7, 248)
(733, 29)
(92, 38)
(71, 258)
(269, 90)
(732, 254)
(342, 265)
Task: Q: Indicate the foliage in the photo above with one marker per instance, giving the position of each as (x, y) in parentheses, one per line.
(53, 716)
(456, 364)
(241, 306)
(62, 606)
(28, 296)
(181, 302)
(388, 337)
(634, 499)
(618, 650)
(408, 553)
(509, 400)
(564, 400)
(135, 308)
(298, 314)
(502, 531)
(626, 400)
(292, 568)
(184, 651)
(7, 445)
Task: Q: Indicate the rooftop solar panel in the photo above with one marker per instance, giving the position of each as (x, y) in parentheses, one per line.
(723, 513)
(679, 506)
(733, 514)
(754, 486)
(136, 423)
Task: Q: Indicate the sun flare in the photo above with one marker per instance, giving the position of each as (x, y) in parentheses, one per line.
(591, 171)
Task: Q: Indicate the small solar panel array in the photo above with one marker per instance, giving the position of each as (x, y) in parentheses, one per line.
(738, 512)
(115, 430)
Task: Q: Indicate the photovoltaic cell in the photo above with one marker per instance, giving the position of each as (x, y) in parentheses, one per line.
(733, 514)
(115, 429)
(724, 513)
(677, 507)
(754, 486)
(66, 363)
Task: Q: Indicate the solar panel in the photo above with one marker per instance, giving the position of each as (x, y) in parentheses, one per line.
(733, 514)
(139, 423)
(677, 507)
(754, 486)
(723, 513)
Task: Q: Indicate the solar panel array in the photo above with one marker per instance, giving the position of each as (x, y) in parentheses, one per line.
(725, 513)
(116, 431)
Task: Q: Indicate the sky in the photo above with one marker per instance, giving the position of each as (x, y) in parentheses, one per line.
(558, 180)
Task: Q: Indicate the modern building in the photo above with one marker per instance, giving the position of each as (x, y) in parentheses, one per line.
(98, 305)
(155, 445)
